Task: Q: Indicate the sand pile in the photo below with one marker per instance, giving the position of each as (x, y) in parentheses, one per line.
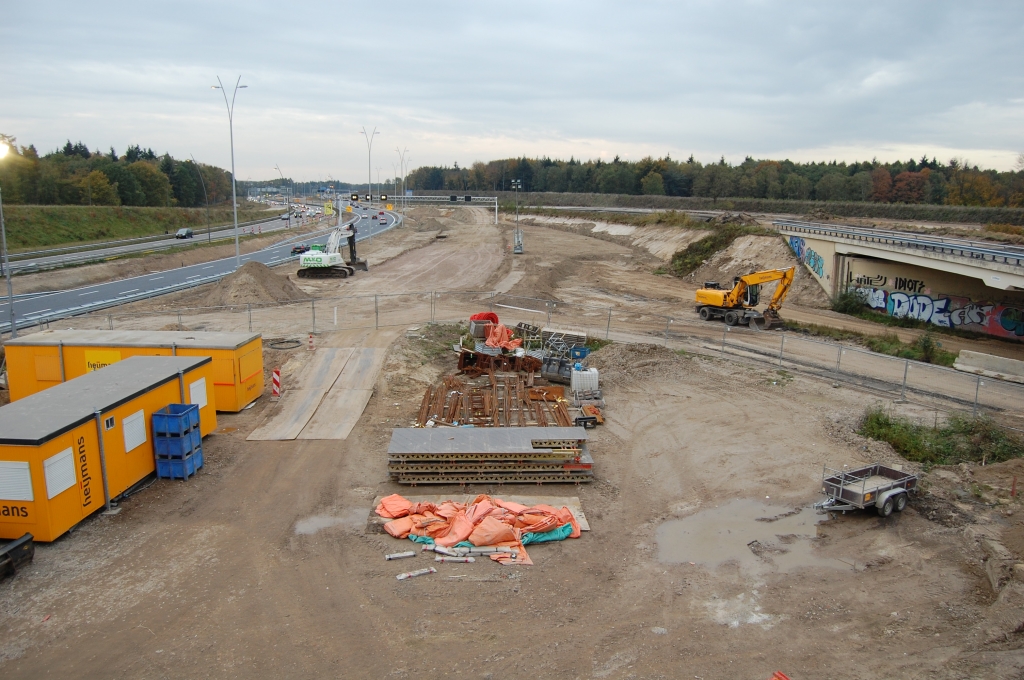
(254, 283)
(637, 361)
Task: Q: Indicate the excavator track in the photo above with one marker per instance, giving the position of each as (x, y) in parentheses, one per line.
(335, 272)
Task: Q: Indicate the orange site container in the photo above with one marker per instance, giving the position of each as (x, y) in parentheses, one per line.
(41, 360)
(66, 451)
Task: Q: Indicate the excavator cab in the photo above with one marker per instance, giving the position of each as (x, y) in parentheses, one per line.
(752, 295)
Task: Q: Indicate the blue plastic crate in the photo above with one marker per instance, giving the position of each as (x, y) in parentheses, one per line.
(177, 447)
(176, 419)
(577, 352)
(179, 468)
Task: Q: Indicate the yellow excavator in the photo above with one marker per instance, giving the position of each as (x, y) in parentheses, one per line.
(737, 306)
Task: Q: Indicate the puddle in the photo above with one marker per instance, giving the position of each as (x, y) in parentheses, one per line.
(353, 518)
(757, 536)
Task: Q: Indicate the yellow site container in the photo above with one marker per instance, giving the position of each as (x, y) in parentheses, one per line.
(66, 451)
(41, 360)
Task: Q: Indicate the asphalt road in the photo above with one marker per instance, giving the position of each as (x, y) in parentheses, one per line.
(30, 311)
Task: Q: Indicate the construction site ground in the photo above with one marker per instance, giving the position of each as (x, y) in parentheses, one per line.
(703, 558)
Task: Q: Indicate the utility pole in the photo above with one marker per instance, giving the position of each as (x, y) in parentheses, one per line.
(288, 197)
(209, 238)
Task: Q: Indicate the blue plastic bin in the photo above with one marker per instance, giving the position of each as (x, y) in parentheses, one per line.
(177, 447)
(577, 352)
(179, 468)
(176, 419)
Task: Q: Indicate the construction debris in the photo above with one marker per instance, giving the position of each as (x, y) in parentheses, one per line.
(492, 401)
(489, 455)
(418, 572)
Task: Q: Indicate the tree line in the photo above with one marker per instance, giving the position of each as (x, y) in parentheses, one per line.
(76, 175)
(957, 182)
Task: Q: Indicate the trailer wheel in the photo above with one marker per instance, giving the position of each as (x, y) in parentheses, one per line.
(901, 502)
(705, 313)
(885, 509)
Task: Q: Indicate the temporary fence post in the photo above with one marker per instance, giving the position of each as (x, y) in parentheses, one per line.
(782, 347)
(839, 357)
(608, 328)
(547, 307)
(312, 306)
(667, 324)
(977, 388)
(179, 321)
(903, 391)
(724, 331)
(110, 321)
(335, 316)
(248, 308)
(491, 303)
(376, 312)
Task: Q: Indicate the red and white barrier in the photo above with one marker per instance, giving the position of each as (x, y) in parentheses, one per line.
(311, 347)
(277, 383)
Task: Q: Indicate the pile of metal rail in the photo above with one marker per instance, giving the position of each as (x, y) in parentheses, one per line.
(516, 455)
(494, 401)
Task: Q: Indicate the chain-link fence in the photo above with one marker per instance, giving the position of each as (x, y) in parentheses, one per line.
(632, 321)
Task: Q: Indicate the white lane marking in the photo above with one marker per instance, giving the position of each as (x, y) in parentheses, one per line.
(133, 290)
(192, 277)
(91, 292)
(40, 311)
(156, 277)
(210, 267)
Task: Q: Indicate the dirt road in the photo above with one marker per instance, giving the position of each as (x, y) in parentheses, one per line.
(702, 559)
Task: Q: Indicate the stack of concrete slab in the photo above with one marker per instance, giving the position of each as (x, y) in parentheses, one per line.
(466, 455)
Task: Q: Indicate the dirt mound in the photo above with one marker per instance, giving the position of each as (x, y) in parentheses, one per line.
(756, 253)
(734, 218)
(254, 283)
(636, 361)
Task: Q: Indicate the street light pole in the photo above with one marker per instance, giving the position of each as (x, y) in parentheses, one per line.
(4, 148)
(401, 156)
(288, 197)
(231, 128)
(369, 162)
(209, 238)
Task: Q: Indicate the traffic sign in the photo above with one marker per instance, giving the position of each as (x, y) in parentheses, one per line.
(388, 207)
(348, 208)
(328, 208)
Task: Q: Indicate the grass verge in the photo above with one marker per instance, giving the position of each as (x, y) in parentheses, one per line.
(962, 439)
(45, 226)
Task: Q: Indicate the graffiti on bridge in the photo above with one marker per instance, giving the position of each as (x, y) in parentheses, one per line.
(814, 261)
(949, 312)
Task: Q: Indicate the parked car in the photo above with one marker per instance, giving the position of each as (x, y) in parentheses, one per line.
(299, 248)
(183, 233)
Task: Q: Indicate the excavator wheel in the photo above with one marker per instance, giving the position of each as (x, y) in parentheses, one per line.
(731, 318)
(705, 313)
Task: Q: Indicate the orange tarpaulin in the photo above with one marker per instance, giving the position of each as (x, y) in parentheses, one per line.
(484, 521)
(501, 336)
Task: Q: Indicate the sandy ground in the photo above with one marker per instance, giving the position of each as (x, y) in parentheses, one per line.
(702, 560)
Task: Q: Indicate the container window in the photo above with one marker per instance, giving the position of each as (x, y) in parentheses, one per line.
(108, 424)
(134, 431)
(197, 392)
(15, 481)
(59, 471)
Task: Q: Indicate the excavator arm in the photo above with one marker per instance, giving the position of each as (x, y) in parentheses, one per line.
(781, 291)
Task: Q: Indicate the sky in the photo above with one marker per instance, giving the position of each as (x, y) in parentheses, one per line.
(458, 82)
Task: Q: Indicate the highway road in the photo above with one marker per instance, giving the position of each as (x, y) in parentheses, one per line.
(66, 303)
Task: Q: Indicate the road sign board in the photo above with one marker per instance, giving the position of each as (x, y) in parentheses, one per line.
(389, 207)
